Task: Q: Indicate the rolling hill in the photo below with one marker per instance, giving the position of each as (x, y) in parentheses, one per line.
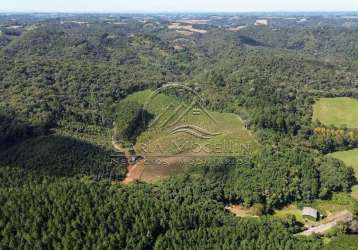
(183, 130)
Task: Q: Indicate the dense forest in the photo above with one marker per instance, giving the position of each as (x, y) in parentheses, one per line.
(62, 85)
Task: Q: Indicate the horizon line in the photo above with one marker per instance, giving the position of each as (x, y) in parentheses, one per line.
(174, 12)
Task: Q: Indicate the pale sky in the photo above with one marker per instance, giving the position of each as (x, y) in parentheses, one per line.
(177, 5)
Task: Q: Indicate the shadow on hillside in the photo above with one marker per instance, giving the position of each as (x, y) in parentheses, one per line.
(13, 130)
(35, 149)
(252, 42)
(60, 156)
(141, 124)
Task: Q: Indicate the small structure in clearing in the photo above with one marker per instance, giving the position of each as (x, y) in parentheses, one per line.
(310, 213)
(343, 217)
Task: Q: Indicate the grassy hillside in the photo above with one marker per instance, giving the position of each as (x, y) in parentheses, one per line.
(176, 135)
(213, 129)
(350, 158)
(337, 111)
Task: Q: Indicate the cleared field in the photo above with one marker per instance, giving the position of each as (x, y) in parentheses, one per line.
(342, 111)
(189, 126)
(350, 158)
(338, 202)
(295, 211)
(182, 131)
(291, 210)
(185, 27)
(240, 211)
(329, 208)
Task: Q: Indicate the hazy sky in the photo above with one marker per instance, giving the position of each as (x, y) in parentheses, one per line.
(177, 5)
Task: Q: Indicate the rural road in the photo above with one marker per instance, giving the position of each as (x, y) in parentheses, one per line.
(334, 219)
(135, 171)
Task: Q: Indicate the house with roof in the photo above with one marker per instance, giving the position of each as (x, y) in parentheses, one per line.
(310, 213)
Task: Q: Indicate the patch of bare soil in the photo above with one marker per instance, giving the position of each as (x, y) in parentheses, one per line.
(193, 21)
(241, 211)
(236, 29)
(134, 172)
(180, 27)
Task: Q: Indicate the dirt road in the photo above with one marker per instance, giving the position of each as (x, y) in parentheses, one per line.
(134, 171)
(333, 220)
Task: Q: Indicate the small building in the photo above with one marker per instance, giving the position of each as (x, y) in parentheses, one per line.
(310, 213)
